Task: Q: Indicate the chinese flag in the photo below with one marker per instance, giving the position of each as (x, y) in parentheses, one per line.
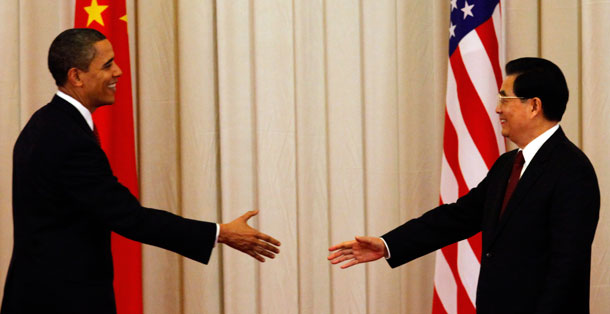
(116, 130)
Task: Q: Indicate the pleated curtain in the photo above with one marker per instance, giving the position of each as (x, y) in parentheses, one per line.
(327, 115)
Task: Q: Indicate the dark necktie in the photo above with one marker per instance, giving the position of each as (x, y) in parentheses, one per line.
(97, 135)
(513, 180)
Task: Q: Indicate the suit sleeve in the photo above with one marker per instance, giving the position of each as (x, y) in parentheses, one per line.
(438, 227)
(573, 217)
(84, 175)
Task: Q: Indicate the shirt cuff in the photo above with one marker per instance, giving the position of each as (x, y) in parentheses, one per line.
(386, 247)
(217, 233)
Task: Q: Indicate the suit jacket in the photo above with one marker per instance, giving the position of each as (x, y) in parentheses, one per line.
(66, 202)
(537, 257)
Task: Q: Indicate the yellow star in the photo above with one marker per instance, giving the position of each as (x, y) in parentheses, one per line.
(95, 12)
(124, 18)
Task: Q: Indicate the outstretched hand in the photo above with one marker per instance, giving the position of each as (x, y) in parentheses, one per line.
(361, 250)
(240, 236)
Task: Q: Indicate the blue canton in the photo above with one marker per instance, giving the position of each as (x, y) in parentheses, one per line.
(466, 15)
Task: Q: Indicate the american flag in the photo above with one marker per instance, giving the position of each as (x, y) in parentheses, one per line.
(472, 139)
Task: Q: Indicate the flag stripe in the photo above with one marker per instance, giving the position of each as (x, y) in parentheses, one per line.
(496, 17)
(449, 185)
(481, 71)
(473, 111)
(468, 264)
(487, 34)
(476, 246)
(472, 140)
(450, 253)
(470, 160)
(445, 285)
(437, 305)
(451, 153)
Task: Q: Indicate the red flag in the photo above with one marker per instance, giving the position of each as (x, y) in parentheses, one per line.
(116, 130)
(472, 139)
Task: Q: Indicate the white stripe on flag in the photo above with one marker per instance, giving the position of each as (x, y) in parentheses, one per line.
(497, 19)
(468, 268)
(449, 185)
(481, 74)
(472, 164)
(445, 285)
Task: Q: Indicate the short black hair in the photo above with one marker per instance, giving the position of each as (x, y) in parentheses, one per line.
(73, 48)
(537, 77)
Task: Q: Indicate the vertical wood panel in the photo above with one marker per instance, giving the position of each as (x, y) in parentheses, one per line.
(423, 41)
(344, 85)
(132, 23)
(199, 168)
(275, 122)
(561, 45)
(522, 20)
(33, 49)
(158, 146)
(237, 147)
(522, 28)
(596, 134)
(312, 177)
(9, 128)
(380, 144)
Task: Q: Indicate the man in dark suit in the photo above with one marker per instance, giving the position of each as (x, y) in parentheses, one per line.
(66, 200)
(537, 208)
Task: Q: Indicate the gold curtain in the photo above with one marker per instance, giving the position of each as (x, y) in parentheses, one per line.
(327, 115)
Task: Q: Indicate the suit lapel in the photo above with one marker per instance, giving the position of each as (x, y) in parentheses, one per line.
(500, 188)
(525, 185)
(73, 113)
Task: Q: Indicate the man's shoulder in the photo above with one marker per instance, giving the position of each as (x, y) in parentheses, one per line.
(52, 129)
(566, 159)
(571, 157)
(55, 116)
(505, 158)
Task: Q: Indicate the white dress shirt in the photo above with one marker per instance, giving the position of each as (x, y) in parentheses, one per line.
(83, 111)
(530, 150)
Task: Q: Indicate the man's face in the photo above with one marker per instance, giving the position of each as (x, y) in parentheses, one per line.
(99, 82)
(515, 113)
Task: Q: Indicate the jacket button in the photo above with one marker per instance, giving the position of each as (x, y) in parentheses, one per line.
(488, 255)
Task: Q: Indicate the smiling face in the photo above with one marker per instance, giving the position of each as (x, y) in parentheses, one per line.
(99, 82)
(515, 114)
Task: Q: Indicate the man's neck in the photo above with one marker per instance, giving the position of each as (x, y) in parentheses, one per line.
(70, 92)
(539, 130)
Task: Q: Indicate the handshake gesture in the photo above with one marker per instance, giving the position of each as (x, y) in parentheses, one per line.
(240, 236)
(360, 250)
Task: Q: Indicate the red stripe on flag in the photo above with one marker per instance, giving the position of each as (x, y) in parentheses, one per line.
(464, 304)
(474, 113)
(487, 34)
(437, 305)
(116, 130)
(450, 148)
(476, 246)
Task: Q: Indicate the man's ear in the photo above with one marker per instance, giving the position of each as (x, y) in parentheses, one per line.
(536, 106)
(74, 77)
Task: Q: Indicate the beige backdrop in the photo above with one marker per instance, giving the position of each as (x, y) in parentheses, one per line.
(326, 115)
